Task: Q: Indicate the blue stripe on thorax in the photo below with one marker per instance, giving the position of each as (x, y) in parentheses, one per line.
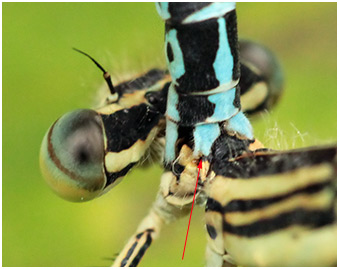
(223, 64)
(171, 139)
(172, 102)
(177, 66)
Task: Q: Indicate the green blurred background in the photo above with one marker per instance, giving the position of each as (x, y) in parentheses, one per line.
(43, 78)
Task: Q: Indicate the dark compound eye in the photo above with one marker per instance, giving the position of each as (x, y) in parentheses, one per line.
(72, 156)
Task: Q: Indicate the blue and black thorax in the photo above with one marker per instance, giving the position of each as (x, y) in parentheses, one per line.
(203, 59)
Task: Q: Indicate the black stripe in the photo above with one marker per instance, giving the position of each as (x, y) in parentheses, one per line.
(131, 250)
(169, 52)
(111, 177)
(142, 251)
(128, 255)
(213, 205)
(248, 205)
(310, 218)
(248, 78)
(232, 35)
(236, 101)
(194, 109)
(180, 11)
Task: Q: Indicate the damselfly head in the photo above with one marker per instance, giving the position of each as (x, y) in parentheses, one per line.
(72, 156)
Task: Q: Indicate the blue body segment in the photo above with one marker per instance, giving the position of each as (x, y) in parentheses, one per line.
(204, 137)
(241, 125)
(202, 57)
(224, 107)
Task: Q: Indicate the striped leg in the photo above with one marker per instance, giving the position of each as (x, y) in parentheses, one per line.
(161, 212)
(136, 247)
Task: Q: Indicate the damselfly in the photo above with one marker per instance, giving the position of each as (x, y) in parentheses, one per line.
(87, 152)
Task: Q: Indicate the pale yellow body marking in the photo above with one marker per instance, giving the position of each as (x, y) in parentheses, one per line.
(227, 189)
(116, 161)
(251, 99)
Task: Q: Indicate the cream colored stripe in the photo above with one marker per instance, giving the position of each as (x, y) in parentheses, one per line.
(225, 189)
(116, 161)
(254, 97)
(317, 201)
(109, 109)
(294, 246)
(140, 244)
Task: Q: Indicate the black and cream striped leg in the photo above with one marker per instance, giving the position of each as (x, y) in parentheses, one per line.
(136, 247)
(161, 212)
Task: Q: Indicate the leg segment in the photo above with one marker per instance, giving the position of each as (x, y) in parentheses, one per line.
(148, 230)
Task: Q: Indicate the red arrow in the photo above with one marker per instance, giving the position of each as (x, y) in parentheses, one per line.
(189, 223)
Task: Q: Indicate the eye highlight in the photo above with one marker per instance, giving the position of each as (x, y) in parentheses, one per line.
(72, 156)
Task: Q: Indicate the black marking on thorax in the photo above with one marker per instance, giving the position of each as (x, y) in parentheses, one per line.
(248, 78)
(125, 127)
(111, 177)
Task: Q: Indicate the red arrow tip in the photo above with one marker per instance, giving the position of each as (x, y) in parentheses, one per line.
(200, 164)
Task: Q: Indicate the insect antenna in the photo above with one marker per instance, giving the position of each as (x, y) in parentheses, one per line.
(107, 76)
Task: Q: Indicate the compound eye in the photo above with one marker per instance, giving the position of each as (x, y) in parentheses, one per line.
(72, 156)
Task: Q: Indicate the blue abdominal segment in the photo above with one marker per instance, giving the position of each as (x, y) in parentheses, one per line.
(224, 107)
(204, 137)
(240, 124)
(203, 59)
